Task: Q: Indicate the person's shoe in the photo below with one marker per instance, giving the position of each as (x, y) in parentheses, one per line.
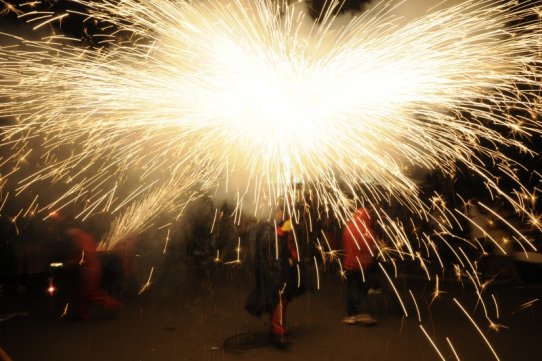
(282, 342)
(349, 320)
(112, 304)
(365, 319)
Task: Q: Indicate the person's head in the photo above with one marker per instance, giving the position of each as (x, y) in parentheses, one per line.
(362, 213)
(279, 215)
(73, 232)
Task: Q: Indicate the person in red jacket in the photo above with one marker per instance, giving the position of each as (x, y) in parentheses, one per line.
(359, 247)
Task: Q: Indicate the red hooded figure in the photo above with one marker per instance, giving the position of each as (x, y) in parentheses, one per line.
(358, 241)
(359, 246)
(89, 287)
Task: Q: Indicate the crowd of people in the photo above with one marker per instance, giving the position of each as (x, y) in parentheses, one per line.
(281, 251)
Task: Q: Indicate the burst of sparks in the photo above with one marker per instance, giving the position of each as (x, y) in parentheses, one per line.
(253, 86)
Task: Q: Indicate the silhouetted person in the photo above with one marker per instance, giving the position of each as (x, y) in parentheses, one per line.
(275, 260)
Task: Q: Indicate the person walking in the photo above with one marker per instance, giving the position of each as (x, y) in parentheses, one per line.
(276, 277)
(359, 246)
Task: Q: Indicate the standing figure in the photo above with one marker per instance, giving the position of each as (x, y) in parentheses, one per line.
(275, 263)
(359, 246)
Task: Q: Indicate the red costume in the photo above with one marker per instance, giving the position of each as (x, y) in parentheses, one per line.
(90, 275)
(358, 241)
(358, 247)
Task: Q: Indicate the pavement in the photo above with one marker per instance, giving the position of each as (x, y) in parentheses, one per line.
(187, 317)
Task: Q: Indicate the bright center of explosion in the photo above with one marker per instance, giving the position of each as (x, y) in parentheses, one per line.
(272, 111)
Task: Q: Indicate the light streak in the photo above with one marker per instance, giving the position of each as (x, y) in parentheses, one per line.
(276, 241)
(453, 349)
(166, 242)
(65, 311)
(432, 343)
(526, 305)
(214, 220)
(477, 329)
(317, 273)
(147, 284)
(361, 270)
(497, 315)
(238, 249)
(416, 305)
(394, 289)
(437, 292)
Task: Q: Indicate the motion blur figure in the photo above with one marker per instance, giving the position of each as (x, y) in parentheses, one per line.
(88, 289)
(359, 246)
(276, 276)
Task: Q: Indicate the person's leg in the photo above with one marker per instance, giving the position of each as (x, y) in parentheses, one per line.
(351, 296)
(279, 331)
(356, 292)
(361, 292)
(278, 319)
(357, 295)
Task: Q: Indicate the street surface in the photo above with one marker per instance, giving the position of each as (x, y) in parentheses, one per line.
(185, 318)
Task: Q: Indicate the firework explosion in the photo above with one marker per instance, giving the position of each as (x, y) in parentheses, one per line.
(255, 99)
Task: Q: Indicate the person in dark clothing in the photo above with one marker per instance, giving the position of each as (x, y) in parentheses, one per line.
(276, 277)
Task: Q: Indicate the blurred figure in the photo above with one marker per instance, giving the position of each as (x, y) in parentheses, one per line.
(275, 259)
(88, 289)
(358, 246)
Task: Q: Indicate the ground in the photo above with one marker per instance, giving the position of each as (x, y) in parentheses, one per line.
(186, 318)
